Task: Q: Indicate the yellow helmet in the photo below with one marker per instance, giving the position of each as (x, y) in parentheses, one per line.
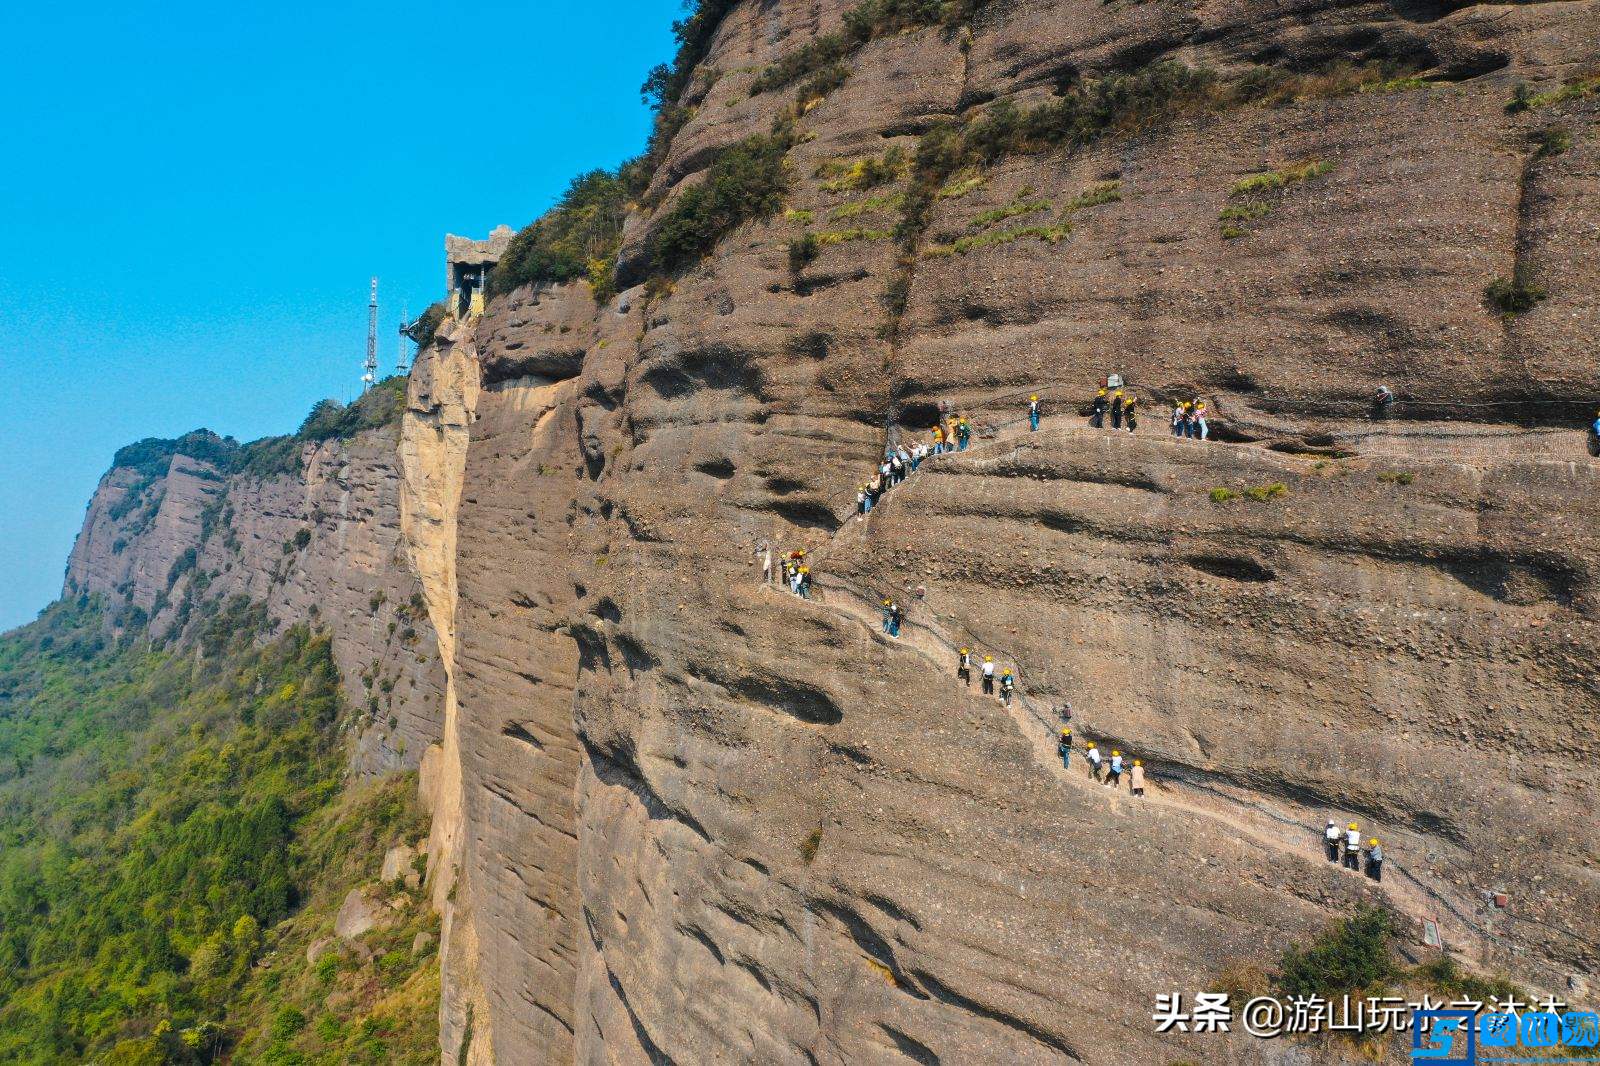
(963, 651)
(886, 603)
(1117, 393)
(1136, 762)
(1372, 843)
(1066, 730)
(988, 658)
(1352, 825)
(1092, 744)
(1102, 392)
(1035, 396)
(1007, 671)
(1114, 751)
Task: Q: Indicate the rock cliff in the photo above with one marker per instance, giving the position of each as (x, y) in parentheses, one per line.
(696, 819)
(682, 816)
(322, 545)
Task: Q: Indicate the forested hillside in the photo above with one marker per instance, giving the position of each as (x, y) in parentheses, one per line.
(177, 828)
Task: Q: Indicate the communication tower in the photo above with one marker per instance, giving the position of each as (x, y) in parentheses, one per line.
(402, 362)
(372, 340)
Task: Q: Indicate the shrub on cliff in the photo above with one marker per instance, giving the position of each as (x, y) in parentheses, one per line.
(381, 405)
(559, 246)
(1516, 295)
(151, 457)
(747, 181)
(862, 23)
(1351, 957)
(427, 324)
(664, 88)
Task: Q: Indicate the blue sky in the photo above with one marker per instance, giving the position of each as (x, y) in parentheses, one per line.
(194, 197)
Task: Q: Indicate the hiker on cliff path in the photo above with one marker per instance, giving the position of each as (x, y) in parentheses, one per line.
(1374, 859)
(1097, 410)
(1114, 773)
(1116, 409)
(1130, 412)
(1180, 418)
(1382, 400)
(1033, 413)
(988, 675)
(1330, 839)
(938, 439)
(1064, 747)
(1093, 755)
(964, 666)
(1136, 778)
(964, 433)
(1202, 428)
(1352, 847)
(886, 615)
(896, 616)
(1007, 683)
(805, 583)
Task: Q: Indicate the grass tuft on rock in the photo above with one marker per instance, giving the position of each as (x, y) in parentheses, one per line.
(1513, 296)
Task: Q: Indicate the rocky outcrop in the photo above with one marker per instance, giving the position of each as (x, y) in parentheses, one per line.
(702, 820)
(325, 547)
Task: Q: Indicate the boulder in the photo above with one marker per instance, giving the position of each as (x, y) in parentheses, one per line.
(397, 863)
(357, 915)
(318, 948)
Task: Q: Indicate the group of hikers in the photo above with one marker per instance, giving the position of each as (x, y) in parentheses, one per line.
(1345, 844)
(796, 572)
(1107, 771)
(1121, 407)
(1007, 680)
(953, 433)
(950, 434)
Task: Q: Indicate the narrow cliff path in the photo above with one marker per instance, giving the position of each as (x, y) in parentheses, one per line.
(1354, 434)
(1395, 441)
(1292, 832)
(1178, 794)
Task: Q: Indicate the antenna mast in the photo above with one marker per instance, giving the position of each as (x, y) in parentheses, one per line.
(372, 340)
(403, 359)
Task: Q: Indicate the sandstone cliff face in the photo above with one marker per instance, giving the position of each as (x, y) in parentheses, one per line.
(325, 548)
(694, 819)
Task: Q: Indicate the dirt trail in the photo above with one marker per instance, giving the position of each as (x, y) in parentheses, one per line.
(1285, 828)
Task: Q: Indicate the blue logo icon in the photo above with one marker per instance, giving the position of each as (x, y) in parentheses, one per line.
(1446, 1038)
